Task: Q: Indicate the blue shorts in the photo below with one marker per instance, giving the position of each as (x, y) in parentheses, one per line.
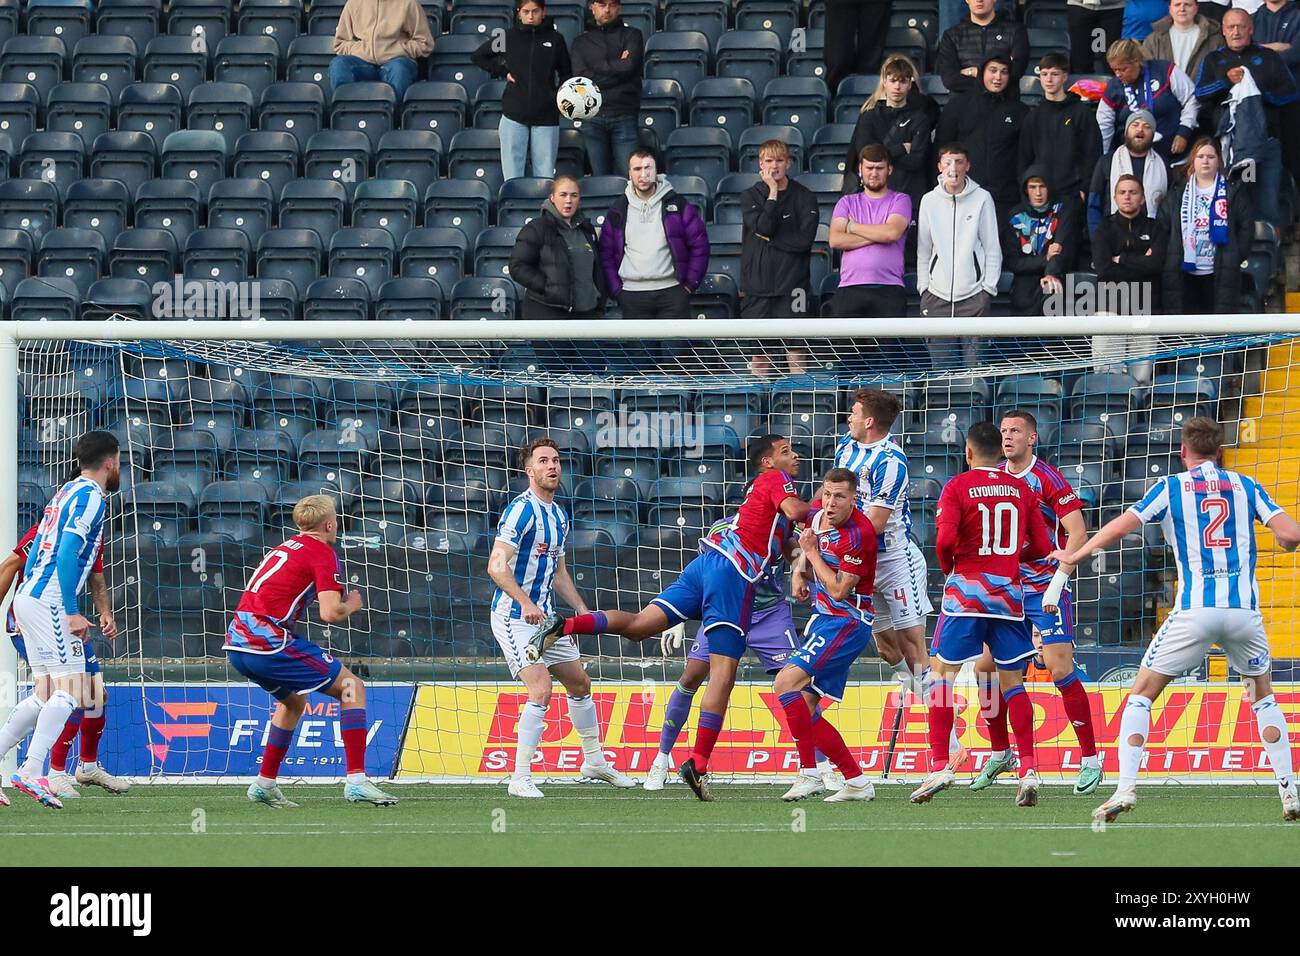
(961, 639)
(771, 637)
(830, 647)
(88, 651)
(300, 668)
(710, 590)
(1055, 628)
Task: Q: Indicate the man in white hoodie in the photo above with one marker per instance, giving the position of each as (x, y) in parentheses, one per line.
(958, 257)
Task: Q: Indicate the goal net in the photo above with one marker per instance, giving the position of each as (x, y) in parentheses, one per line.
(416, 435)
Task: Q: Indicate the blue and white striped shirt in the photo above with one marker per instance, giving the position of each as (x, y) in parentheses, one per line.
(1207, 516)
(77, 509)
(881, 468)
(537, 531)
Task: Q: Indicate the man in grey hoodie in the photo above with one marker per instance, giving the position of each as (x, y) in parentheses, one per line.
(958, 255)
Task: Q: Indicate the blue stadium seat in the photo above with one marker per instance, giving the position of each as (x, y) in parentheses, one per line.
(455, 50)
(295, 255)
(1173, 401)
(388, 204)
(309, 60)
(910, 42)
(438, 253)
(174, 60)
(323, 19)
(369, 406)
(243, 204)
(680, 56)
(235, 508)
(222, 255)
(469, 77)
(191, 459)
(338, 457)
(98, 204)
(342, 156)
(755, 136)
(723, 102)
(29, 205)
(520, 200)
(798, 101)
(166, 510)
(270, 158)
(368, 108)
(136, 20)
(726, 202)
(295, 108)
(250, 60)
(811, 60)
(1045, 40)
(45, 300)
(118, 299)
(75, 254)
(485, 109)
(258, 453)
(278, 301)
(460, 204)
(830, 145)
(827, 188)
(277, 19)
(853, 91)
(640, 14)
(412, 155)
(154, 109)
(289, 493)
(16, 253)
(172, 205)
(708, 17)
(56, 158)
(493, 250)
(81, 108)
(479, 298)
(717, 297)
(476, 155)
(19, 105)
(479, 20)
(210, 18)
(127, 157)
(435, 107)
(1031, 91)
(317, 204)
(343, 300)
(146, 254)
(704, 152)
(364, 254)
(724, 249)
(37, 60)
(778, 16)
(754, 55)
(1113, 395)
(196, 156)
(598, 194)
(663, 105)
(226, 108)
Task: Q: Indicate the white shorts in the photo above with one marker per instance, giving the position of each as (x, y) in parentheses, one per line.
(900, 599)
(512, 633)
(50, 648)
(1185, 638)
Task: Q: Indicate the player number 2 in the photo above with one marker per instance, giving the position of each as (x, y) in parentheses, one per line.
(272, 563)
(993, 524)
(1218, 509)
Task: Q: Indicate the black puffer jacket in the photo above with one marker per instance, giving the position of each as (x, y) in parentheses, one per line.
(988, 125)
(968, 44)
(538, 59)
(598, 55)
(541, 262)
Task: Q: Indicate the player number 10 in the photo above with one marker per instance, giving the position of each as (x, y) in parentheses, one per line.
(993, 524)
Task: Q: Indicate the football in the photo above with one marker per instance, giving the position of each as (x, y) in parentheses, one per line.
(578, 98)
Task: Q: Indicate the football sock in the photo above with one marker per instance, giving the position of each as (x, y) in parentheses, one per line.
(809, 755)
(1136, 721)
(993, 708)
(594, 623)
(20, 723)
(531, 724)
(675, 716)
(582, 711)
(706, 735)
(277, 744)
(800, 719)
(92, 729)
(1269, 717)
(904, 673)
(49, 724)
(953, 743)
(353, 724)
(59, 752)
(1021, 714)
(941, 717)
(1078, 711)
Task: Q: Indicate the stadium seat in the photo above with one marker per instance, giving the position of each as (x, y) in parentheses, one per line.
(45, 300)
(37, 60)
(827, 188)
(910, 42)
(364, 254)
(341, 156)
(75, 254)
(20, 103)
(852, 93)
(388, 204)
(726, 202)
(475, 299)
(412, 155)
(460, 204)
(81, 108)
(309, 60)
(754, 55)
(485, 107)
(98, 204)
(288, 494)
(146, 254)
(278, 300)
(334, 456)
(314, 204)
(475, 154)
(663, 104)
(172, 205)
(796, 101)
(680, 56)
(368, 108)
(493, 250)
(154, 109)
(55, 158)
(209, 18)
(127, 157)
(191, 460)
(409, 300)
(704, 152)
(341, 300)
(16, 254)
(250, 60)
(716, 297)
(724, 249)
(435, 107)
(830, 146)
(454, 50)
(277, 19)
(479, 20)
(174, 60)
(778, 16)
(598, 194)
(708, 17)
(196, 156)
(520, 200)
(323, 19)
(1045, 40)
(225, 108)
(243, 204)
(1174, 400)
(29, 205)
(295, 255)
(1109, 398)
(259, 453)
(755, 136)
(438, 253)
(723, 102)
(235, 508)
(167, 511)
(295, 108)
(222, 255)
(640, 14)
(270, 158)
(811, 59)
(136, 20)
(1031, 91)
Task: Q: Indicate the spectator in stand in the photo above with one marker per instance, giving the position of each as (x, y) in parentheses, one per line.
(965, 48)
(987, 122)
(1277, 27)
(1140, 17)
(781, 220)
(555, 259)
(1130, 247)
(1209, 234)
(378, 41)
(1060, 134)
(1134, 157)
(900, 124)
(611, 55)
(1039, 240)
(1184, 37)
(1090, 21)
(653, 246)
(1253, 136)
(1156, 86)
(533, 59)
(870, 229)
(1215, 11)
(958, 256)
(855, 38)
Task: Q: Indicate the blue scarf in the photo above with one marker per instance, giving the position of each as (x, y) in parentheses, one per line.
(1218, 219)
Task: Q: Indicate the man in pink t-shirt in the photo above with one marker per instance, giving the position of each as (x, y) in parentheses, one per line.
(870, 228)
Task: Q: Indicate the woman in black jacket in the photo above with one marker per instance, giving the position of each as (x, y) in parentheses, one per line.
(534, 60)
(555, 260)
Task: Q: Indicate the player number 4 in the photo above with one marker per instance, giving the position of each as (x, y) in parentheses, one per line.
(1218, 509)
(1004, 516)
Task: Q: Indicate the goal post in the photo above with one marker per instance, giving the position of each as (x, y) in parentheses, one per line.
(413, 428)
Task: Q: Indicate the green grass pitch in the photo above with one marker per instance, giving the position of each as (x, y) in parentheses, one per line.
(576, 824)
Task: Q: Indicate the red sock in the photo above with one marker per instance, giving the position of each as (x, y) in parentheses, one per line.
(829, 742)
(59, 752)
(1021, 712)
(941, 718)
(994, 712)
(593, 623)
(92, 728)
(706, 735)
(353, 725)
(277, 742)
(1079, 712)
(799, 718)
